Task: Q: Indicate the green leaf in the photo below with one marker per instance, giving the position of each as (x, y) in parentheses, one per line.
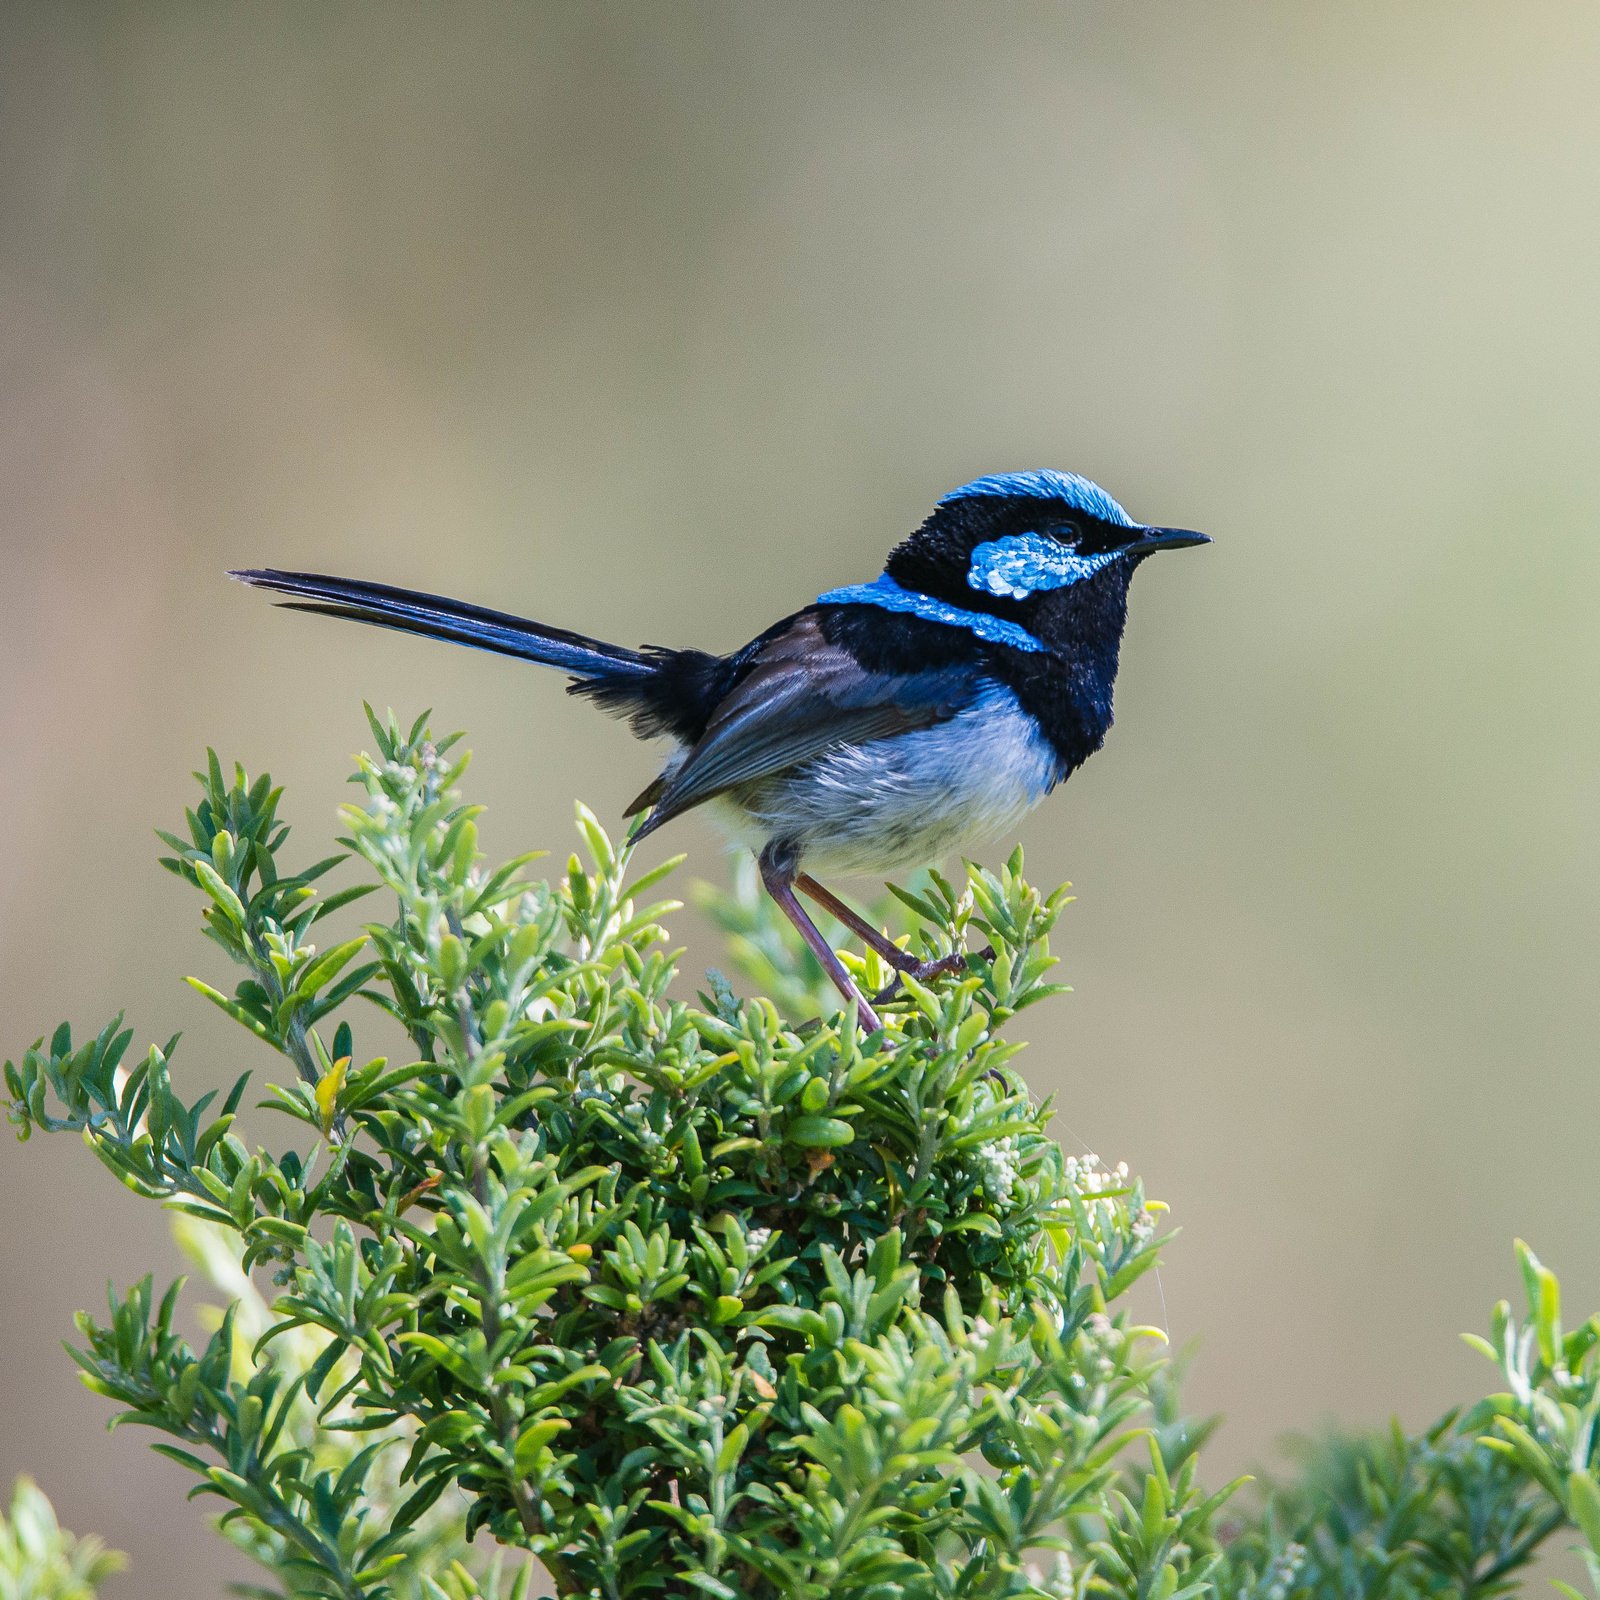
(819, 1132)
(329, 964)
(733, 1448)
(535, 1439)
(976, 1222)
(1583, 1506)
(447, 1353)
(233, 1008)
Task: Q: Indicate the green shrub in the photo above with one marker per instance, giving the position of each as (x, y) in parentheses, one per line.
(40, 1560)
(703, 1299)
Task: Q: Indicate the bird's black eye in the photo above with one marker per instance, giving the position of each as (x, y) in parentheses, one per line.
(1094, 539)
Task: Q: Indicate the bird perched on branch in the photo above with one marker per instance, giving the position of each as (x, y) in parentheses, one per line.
(884, 725)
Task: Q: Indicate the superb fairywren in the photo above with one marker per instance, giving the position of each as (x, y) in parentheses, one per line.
(880, 727)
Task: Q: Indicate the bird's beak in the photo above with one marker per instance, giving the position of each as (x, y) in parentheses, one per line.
(1151, 539)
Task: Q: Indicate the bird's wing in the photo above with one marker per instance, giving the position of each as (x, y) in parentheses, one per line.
(801, 697)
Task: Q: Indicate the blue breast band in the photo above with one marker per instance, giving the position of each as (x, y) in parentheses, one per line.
(887, 594)
(1023, 563)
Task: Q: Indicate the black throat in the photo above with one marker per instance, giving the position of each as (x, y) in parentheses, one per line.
(1068, 686)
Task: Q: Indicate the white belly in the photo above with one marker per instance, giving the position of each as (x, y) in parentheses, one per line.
(903, 802)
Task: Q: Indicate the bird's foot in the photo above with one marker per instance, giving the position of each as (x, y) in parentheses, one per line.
(927, 971)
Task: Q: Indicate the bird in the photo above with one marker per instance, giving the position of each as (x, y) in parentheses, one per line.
(879, 728)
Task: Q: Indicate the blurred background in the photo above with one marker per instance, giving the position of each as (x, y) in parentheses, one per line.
(656, 321)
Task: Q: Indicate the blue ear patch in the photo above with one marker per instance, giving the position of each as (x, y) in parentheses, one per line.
(886, 594)
(1024, 563)
(1068, 487)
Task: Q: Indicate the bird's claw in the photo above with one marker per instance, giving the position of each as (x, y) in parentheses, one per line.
(927, 971)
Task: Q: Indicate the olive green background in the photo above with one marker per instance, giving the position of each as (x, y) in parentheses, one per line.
(655, 321)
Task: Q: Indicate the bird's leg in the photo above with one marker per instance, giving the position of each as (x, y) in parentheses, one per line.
(778, 874)
(855, 922)
(901, 960)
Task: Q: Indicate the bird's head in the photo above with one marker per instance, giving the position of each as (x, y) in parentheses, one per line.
(1050, 550)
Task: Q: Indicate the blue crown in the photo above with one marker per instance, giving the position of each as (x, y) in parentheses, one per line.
(1068, 487)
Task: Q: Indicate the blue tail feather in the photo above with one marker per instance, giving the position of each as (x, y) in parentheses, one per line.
(436, 617)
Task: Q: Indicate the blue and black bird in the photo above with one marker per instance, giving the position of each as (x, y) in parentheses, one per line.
(884, 725)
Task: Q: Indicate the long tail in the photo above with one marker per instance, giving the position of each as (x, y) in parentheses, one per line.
(589, 660)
